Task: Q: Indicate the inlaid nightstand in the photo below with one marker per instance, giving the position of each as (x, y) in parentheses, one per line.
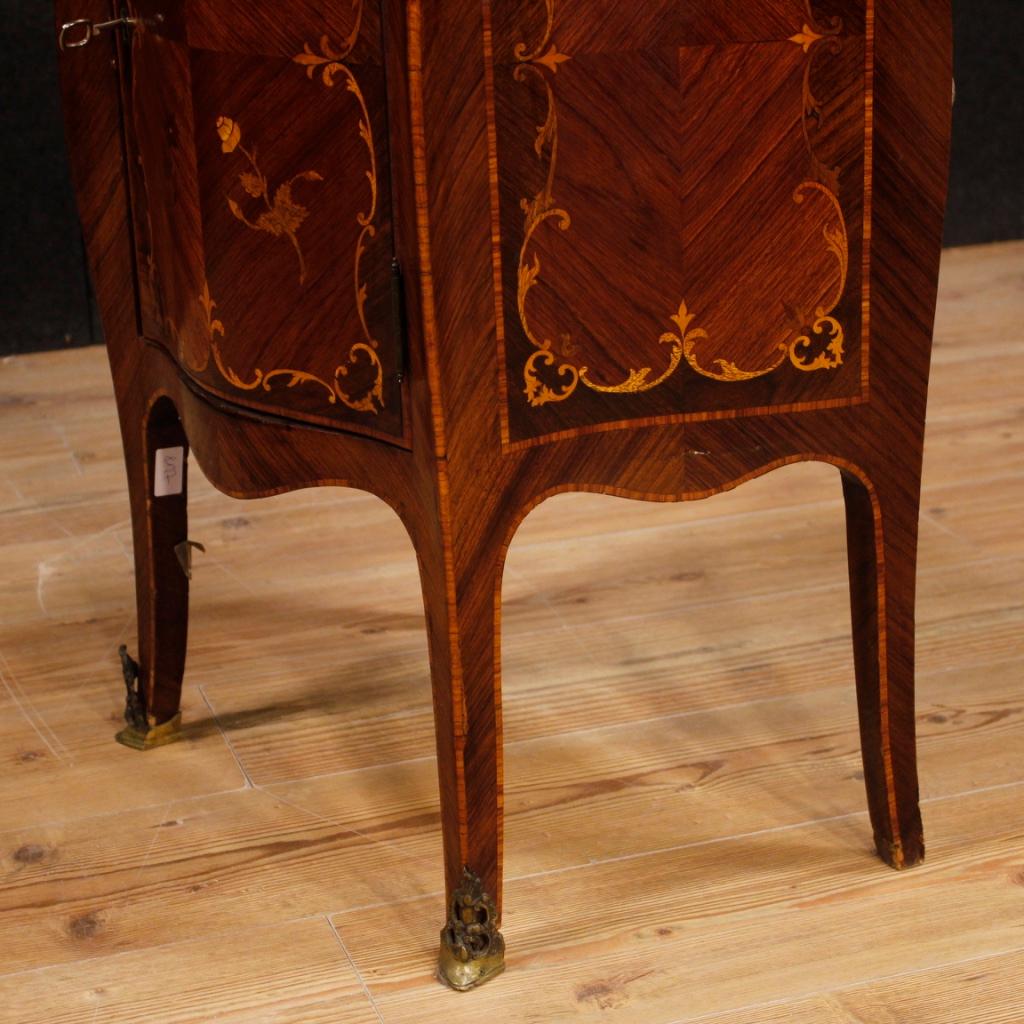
(468, 254)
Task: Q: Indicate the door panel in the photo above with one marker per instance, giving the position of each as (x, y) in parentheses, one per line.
(681, 200)
(263, 204)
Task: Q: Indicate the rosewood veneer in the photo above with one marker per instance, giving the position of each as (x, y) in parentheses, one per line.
(467, 254)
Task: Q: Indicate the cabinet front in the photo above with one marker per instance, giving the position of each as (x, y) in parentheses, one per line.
(257, 138)
(681, 208)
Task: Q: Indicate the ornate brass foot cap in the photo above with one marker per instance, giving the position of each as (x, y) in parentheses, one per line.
(472, 949)
(154, 736)
(141, 733)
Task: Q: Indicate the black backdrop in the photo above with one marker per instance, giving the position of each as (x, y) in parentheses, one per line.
(45, 300)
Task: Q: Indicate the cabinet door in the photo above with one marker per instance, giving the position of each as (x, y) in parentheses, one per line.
(258, 142)
(683, 198)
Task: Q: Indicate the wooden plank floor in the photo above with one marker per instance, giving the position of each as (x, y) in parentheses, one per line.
(687, 836)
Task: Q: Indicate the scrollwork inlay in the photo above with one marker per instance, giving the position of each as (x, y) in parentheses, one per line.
(821, 330)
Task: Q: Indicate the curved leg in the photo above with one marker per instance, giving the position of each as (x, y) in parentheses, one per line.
(156, 455)
(462, 594)
(882, 520)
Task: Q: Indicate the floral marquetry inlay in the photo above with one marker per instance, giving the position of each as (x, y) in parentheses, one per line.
(283, 215)
(817, 338)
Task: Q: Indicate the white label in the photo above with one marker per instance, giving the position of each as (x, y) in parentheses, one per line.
(169, 473)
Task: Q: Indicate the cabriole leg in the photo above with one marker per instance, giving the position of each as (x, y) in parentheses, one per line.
(882, 544)
(156, 452)
(462, 598)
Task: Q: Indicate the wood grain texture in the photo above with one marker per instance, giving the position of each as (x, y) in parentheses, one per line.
(648, 950)
(705, 704)
(857, 144)
(312, 983)
(634, 285)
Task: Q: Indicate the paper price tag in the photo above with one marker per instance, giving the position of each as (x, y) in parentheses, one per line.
(169, 472)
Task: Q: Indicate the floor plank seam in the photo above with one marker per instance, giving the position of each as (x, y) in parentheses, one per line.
(356, 971)
(696, 522)
(675, 716)
(58, 965)
(797, 997)
(382, 904)
(566, 629)
(224, 736)
(383, 843)
(318, 776)
(925, 572)
(13, 688)
(270, 787)
(56, 823)
(742, 836)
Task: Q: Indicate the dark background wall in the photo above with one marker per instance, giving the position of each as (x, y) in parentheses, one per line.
(45, 300)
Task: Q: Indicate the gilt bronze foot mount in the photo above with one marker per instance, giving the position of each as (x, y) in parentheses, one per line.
(141, 733)
(472, 948)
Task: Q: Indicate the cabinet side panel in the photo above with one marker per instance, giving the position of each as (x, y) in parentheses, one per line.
(682, 223)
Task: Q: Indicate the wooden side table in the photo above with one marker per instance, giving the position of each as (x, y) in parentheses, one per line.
(467, 254)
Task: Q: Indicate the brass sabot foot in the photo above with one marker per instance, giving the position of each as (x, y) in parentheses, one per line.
(141, 732)
(472, 974)
(155, 736)
(472, 948)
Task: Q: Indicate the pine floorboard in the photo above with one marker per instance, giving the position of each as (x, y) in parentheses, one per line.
(686, 838)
